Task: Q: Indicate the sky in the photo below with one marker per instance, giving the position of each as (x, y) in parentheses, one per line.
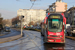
(8, 8)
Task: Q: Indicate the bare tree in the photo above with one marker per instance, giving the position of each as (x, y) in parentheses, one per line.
(31, 23)
(15, 20)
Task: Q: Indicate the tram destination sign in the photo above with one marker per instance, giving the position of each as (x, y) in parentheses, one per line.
(55, 16)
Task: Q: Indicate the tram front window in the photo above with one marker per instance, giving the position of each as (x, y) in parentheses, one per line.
(55, 25)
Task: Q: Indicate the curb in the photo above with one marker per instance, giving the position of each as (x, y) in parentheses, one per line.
(72, 38)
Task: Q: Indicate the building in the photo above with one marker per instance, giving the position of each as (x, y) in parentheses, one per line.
(58, 6)
(1, 20)
(7, 22)
(32, 15)
(70, 15)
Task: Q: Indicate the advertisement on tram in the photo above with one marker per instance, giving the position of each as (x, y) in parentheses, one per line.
(53, 28)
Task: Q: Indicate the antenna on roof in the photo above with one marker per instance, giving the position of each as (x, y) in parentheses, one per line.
(58, 0)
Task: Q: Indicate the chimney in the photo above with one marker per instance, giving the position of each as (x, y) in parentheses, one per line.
(58, 0)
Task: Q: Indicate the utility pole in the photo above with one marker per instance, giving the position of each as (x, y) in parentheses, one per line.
(30, 20)
(21, 28)
(21, 18)
(33, 1)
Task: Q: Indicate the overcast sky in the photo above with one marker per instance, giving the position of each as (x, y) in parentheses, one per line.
(8, 8)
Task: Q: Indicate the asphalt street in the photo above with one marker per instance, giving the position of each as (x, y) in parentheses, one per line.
(33, 40)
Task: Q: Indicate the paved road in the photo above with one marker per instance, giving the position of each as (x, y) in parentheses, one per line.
(33, 41)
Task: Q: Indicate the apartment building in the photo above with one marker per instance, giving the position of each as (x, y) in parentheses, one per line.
(58, 6)
(70, 15)
(32, 15)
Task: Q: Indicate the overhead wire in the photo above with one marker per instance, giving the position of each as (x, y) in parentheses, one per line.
(32, 5)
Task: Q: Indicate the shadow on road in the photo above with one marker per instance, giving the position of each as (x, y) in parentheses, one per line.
(51, 46)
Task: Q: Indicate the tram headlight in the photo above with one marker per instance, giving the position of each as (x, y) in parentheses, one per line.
(60, 36)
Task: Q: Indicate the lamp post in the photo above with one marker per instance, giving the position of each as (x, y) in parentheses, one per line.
(21, 18)
(30, 19)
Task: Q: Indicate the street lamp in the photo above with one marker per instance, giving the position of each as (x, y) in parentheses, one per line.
(21, 18)
(30, 19)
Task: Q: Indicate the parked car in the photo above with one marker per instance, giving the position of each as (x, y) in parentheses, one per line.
(70, 30)
(34, 27)
(7, 29)
(24, 26)
(38, 27)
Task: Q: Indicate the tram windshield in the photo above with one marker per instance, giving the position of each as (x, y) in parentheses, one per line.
(55, 25)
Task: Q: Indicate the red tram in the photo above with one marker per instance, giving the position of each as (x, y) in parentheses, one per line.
(53, 28)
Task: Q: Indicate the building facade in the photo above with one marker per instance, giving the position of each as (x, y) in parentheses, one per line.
(7, 22)
(70, 15)
(58, 6)
(1, 20)
(32, 15)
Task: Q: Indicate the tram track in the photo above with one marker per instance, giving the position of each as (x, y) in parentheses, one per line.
(28, 36)
(32, 41)
(35, 35)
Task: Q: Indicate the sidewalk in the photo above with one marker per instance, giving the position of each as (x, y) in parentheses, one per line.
(2, 33)
(14, 35)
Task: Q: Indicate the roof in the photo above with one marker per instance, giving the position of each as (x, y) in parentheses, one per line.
(71, 8)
